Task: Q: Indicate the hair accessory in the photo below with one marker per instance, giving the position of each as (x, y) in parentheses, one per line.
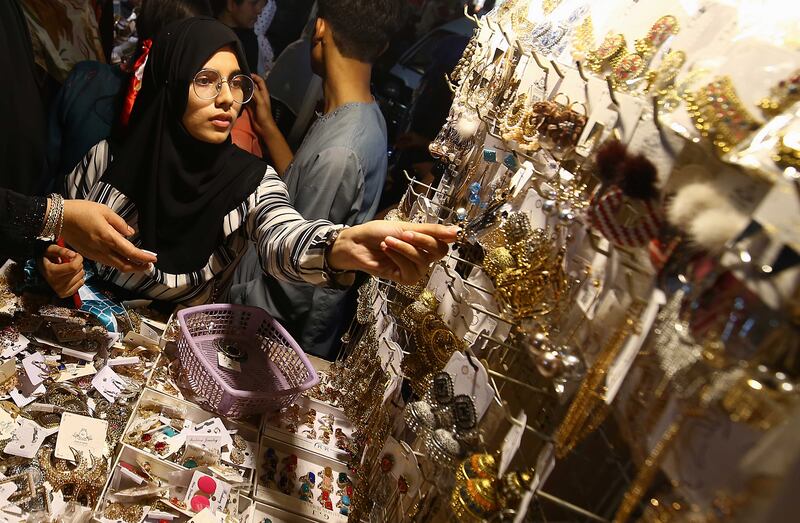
(720, 115)
(782, 96)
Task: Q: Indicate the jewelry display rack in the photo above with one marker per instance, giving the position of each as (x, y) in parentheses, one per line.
(607, 307)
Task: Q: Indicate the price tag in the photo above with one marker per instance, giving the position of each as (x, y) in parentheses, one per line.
(227, 363)
(81, 433)
(116, 362)
(7, 425)
(148, 332)
(214, 427)
(75, 372)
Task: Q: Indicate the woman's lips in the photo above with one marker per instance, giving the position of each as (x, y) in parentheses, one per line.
(221, 124)
(222, 121)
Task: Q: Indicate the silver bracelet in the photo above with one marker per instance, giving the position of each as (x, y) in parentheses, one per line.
(60, 223)
(54, 220)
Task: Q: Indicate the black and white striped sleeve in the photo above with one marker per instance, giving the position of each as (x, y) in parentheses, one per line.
(290, 247)
(80, 182)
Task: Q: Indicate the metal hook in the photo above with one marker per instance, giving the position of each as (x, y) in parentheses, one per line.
(594, 241)
(611, 92)
(450, 84)
(514, 421)
(412, 180)
(581, 73)
(447, 270)
(569, 506)
(474, 18)
(557, 69)
(656, 117)
(497, 342)
(539, 61)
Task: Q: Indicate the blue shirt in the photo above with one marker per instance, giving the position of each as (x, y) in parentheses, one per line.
(337, 175)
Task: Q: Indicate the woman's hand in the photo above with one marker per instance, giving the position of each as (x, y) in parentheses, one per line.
(398, 251)
(99, 233)
(63, 270)
(260, 108)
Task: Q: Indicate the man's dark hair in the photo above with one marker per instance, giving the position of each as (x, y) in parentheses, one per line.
(218, 6)
(155, 14)
(362, 28)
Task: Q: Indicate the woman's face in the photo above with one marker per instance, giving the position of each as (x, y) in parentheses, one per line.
(211, 120)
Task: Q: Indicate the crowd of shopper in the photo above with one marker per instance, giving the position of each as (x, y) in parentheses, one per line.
(166, 174)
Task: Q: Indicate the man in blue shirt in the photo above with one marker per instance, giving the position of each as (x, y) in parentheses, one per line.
(339, 170)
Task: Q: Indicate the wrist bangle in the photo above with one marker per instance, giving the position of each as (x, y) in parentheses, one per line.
(60, 223)
(54, 219)
(332, 237)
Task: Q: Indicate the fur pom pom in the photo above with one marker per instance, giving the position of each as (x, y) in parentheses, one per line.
(467, 125)
(639, 178)
(713, 228)
(610, 156)
(691, 200)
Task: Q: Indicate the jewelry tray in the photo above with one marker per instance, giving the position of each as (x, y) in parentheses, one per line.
(306, 462)
(194, 414)
(279, 432)
(257, 512)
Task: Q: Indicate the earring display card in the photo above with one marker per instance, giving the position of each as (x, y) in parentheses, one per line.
(109, 384)
(329, 436)
(14, 347)
(302, 482)
(82, 434)
(207, 492)
(26, 440)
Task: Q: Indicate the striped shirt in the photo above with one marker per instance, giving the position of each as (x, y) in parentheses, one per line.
(289, 247)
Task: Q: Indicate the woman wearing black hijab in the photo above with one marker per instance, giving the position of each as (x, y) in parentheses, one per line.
(197, 200)
(90, 228)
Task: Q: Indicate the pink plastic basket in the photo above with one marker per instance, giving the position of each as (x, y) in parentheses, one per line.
(274, 373)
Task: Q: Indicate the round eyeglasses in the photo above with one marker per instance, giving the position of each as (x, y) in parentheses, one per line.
(207, 85)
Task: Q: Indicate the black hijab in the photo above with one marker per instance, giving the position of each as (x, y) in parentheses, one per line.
(182, 187)
(22, 136)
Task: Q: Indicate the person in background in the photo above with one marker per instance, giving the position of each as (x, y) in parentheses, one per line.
(28, 223)
(291, 17)
(266, 55)
(339, 169)
(97, 98)
(63, 32)
(241, 16)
